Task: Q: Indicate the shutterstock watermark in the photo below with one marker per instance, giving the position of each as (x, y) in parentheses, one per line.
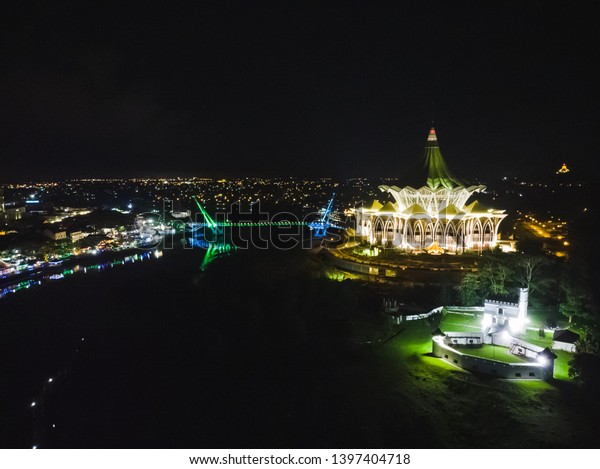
(255, 228)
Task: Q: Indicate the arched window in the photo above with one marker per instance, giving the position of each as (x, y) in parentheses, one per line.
(409, 234)
(428, 234)
(488, 233)
(418, 235)
(451, 240)
(388, 232)
(439, 234)
(476, 231)
(378, 231)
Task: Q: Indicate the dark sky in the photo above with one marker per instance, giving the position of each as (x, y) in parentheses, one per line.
(294, 88)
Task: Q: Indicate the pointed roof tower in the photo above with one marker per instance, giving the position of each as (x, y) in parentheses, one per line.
(431, 170)
(438, 174)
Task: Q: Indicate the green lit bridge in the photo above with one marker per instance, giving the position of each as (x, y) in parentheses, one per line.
(319, 226)
(218, 246)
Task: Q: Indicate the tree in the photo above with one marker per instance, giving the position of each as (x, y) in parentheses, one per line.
(585, 368)
(529, 269)
(469, 290)
(495, 274)
(576, 301)
(590, 341)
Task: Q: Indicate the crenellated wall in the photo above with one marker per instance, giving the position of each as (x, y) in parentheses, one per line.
(529, 370)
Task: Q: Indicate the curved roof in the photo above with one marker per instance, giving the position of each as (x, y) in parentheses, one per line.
(432, 170)
(438, 174)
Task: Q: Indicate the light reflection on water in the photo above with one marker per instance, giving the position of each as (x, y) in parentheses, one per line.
(78, 269)
(212, 251)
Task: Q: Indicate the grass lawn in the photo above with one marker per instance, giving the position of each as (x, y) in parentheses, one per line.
(463, 323)
(542, 316)
(493, 352)
(460, 323)
(561, 365)
(443, 405)
(533, 337)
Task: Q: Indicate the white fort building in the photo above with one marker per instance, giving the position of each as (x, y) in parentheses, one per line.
(433, 218)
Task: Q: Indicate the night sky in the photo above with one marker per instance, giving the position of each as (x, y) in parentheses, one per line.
(339, 89)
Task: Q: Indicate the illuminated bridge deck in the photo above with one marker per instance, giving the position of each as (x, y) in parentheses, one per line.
(271, 223)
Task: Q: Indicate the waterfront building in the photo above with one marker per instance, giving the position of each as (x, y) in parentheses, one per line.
(434, 217)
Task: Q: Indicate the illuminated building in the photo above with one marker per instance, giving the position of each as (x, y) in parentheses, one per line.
(563, 169)
(433, 218)
(55, 234)
(77, 236)
(501, 315)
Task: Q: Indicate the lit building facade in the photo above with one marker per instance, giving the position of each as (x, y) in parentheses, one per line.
(435, 217)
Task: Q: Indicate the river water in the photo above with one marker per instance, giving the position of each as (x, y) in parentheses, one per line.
(56, 324)
(160, 349)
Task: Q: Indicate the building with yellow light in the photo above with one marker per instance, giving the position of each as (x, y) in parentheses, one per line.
(435, 217)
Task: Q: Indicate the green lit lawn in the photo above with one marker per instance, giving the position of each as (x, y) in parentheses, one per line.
(533, 337)
(460, 323)
(561, 365)
(493, 352)
(414, 343)
(407, 381)
(463, 323)
(414, 340)
(541, 316)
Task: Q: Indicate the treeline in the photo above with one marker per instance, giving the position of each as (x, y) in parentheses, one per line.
(570, 285)
(582, 305)
(499, 274)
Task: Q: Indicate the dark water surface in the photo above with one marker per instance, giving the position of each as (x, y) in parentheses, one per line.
(161, 354)
(130, 320)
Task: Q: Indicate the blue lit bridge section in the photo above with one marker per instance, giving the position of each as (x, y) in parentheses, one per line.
(321, 225)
